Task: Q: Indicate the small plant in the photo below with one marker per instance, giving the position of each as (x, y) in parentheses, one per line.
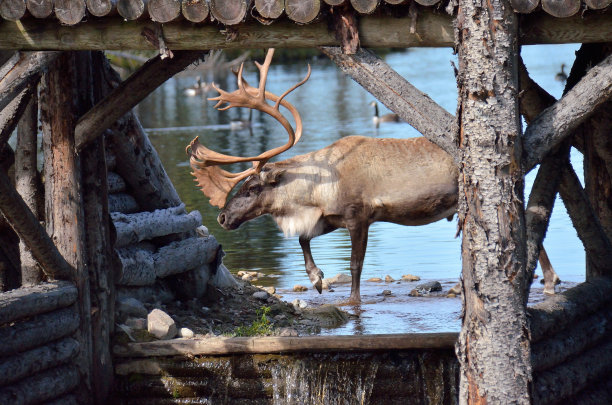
(260, 326)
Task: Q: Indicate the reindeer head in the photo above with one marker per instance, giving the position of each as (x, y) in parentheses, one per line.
(215, 182)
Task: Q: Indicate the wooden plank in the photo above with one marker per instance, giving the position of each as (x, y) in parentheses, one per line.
(277, 344)
(28, 301)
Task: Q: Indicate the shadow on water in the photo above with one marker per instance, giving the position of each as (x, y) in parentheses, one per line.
(333, 106)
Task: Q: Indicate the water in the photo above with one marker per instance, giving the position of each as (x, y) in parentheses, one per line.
(333, 106)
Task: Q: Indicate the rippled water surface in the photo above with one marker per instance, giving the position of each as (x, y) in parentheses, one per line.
(333, 106)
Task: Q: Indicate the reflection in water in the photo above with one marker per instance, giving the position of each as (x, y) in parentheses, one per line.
(333, 106)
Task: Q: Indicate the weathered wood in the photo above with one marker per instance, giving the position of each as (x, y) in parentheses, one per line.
(570, 378)
(134, 228)
(26, 184)
(40, 8)
(195, 10)
(277, 344)
(26, 225)
(345, 26)
(558, 121)
(335, 2)
(270, 8)
(561, 8)
(426, 2)
(21, 72)
(10, 115)
(493, 347)
(556, 313)
(137, 265)
(302, 11)
(65, 400)
(70, 12)
(570, 342)
(164, 11)
(116, 184)
(524, 6)
(39, 330)
(412, 105)
(28, 301)
(365, 6)
(34, 361)
(598, 4)
(129, 93)
(123, 203)
(9, 274)
(41, 387)
(101, 8)
(12, 10)
(229, 12)
(131, 9)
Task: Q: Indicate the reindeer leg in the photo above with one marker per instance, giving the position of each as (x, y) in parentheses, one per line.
(314, 273)
(551, 279)
(359, 242)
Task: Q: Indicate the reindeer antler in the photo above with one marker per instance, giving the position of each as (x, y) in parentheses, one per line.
(215, 182)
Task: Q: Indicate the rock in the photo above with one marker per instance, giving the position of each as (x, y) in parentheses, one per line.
(186, 333)
(288, 332)
(535, 277)
(161, 325)
(131, 308)
(389, 279)
(136, 323)
(259, 275)
(326, 315)
(426, 288)
(375, 279)
(415, 293)
(202, 231)
(261, 295)
(299, 304)
(248, 277)
(387, 293)
(299, 288)
(456, 289)
(241, 273)
(410, 277)
(269, 290)
(451, 295)
(337, 279)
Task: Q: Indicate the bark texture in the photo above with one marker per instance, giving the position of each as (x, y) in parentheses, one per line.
(493, 347)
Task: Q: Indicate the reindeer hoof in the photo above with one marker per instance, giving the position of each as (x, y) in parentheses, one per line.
(318, 285)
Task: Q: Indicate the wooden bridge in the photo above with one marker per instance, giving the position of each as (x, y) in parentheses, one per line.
(113, 224)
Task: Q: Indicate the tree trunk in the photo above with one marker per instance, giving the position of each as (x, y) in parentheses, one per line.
(493, 347)
(25, 182)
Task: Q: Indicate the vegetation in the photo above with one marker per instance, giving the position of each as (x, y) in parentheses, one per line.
(260, 326)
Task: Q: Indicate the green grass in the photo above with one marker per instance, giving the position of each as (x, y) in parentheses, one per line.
(260, 326)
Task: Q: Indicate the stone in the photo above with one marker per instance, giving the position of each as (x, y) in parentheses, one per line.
(261, 295)
(186, 333)
(451, 295)
(326, 315)
(389, 279)
(161, 325)
(387, 293)
(248, 277)
(428, 287)
(410, 277)
(375, 279)
(270, 290)
(131, 308)
(415, 293)
(136, 323)
(456, 289)
(241, 273)
(337, 279)
(288, 332)
(299, 304)
(299, 288)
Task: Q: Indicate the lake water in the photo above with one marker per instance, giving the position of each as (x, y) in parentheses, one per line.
(333, 106)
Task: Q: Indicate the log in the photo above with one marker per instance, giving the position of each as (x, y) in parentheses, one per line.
(572, 377)
(229, 12)
(101, 8)
(28, 301)
(524, 6)
(560, 120)
(11, 114)
(42, 387)
(181, 256)
(271, 9)
(131, 9)
(137, 266)
(70, 12)
(427, 3)
(571, 342)
(598, 4)
(195, 10)
(412, 105)
(39, 330)
(12, 10)
(123, 203)
(134, 228)
(395, 1)
(302, 11)
(34, 361)
(9, 274)
(129, 93)
(346, 28)
(40, 8)
(164, 11)
(26, 225)
(22, 71)
(116, 184)
(561, 8)
(365, 6)
(556, 313)
(65, 400)
(277, 344)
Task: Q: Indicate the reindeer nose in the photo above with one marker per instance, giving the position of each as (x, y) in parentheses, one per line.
(221, 219)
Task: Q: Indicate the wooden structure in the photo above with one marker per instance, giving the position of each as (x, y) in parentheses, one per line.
(113, 221)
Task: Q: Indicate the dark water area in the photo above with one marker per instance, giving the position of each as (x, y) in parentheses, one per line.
(333, 106)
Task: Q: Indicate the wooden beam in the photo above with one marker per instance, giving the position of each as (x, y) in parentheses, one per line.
(129, 93)
(10, 115)
(278, 344)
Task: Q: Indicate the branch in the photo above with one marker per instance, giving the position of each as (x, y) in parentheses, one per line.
(412, 105)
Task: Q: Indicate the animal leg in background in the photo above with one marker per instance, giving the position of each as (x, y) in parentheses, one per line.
(359, 242)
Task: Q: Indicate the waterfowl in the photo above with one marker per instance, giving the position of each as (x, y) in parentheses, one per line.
(198, 88)
(561, 76)
(377, 120)
(242, 124)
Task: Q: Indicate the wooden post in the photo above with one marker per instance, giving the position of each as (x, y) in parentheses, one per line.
(27, 185)
(63, 193)
(493, 347)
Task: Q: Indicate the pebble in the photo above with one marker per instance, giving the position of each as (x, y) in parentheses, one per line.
(389, 279)
(451, 295)
(299, 304)
(387, 293)
(299, 288)
(426, 288)
(269, 290)
(375, 279)
(410, 277)
(261, 295)
(456, 289)
(186, 333)
(161, 325)
(288, 332)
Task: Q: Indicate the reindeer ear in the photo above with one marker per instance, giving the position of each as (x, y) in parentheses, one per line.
(272, 177)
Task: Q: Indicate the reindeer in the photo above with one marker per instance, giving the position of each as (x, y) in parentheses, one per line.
(350, 184)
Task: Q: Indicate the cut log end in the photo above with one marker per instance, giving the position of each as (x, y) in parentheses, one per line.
(365, 6)
(270, 8)
(164, 11)
(195, 10)
(12, 10)
(561, 8)
(70, 12)
(229, 12)
(302, 11)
